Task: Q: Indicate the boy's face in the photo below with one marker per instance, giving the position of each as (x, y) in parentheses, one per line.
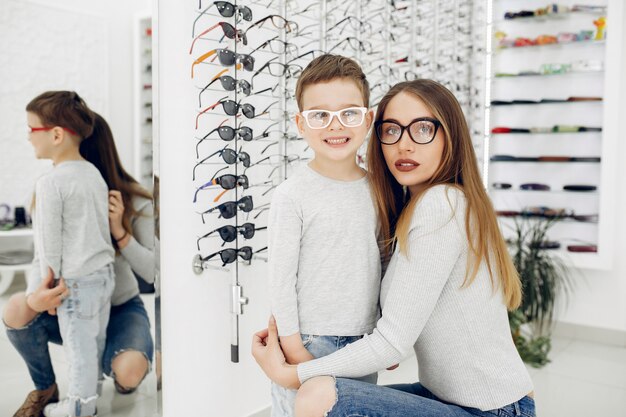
(335, 142)
(43, 141)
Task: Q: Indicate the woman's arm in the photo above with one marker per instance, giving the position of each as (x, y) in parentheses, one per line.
(139, 250)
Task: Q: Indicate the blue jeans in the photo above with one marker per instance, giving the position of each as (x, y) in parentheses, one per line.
(83, 320)
(128, 329)
(355, 398)
(283, 399)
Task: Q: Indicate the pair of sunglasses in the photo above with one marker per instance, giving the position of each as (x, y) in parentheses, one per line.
(227, 58)
(229, 31)
(228, 210)
(229, 156)
(229, 255)
(228, 233)
(226, 181)
(228, 83)
(225, 9)
(231, 108)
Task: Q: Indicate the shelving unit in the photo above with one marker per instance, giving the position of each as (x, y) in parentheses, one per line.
(143, 99)
(505, 83)
(7, 272)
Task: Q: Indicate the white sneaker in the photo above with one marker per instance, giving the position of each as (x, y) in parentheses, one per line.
(61, 409)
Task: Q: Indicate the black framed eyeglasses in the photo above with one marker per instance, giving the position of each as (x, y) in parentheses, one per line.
(421, 130)
(228, 83)
(228, 233)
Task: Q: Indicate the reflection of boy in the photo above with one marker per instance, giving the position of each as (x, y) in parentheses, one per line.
(72, 240)
(324, 259)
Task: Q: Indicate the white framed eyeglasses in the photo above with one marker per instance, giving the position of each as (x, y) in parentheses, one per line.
(320, 119)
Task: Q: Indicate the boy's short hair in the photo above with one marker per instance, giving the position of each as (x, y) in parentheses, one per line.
(328, 67)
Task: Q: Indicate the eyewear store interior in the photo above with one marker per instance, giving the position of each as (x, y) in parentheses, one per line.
(200, 93)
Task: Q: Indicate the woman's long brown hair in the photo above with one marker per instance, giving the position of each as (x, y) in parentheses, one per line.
(100, 150)
(459, 169)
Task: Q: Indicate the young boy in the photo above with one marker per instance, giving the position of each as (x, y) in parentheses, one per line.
(324, 260)
(72, 240)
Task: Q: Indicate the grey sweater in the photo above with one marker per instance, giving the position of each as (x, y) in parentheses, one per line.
(460, 336)
(324, 262)
(71, 223)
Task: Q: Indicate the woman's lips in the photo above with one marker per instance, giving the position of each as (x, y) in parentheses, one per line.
(406, 165)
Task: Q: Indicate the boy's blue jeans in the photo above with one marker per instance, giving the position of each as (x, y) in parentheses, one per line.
(283, 399)
(83, 319)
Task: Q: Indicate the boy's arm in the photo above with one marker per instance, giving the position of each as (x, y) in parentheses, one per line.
(294, 349)
(48, 226)
(284, 235)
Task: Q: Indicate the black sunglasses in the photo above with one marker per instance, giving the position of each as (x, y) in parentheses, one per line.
(229, 84)
(227, 134)
(226, 9)
(229, 156)
(228, 210)
(228, 233)
(229, 255)
(421, 130)
(226, 181)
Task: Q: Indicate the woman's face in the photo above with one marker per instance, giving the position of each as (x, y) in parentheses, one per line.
(410, 163)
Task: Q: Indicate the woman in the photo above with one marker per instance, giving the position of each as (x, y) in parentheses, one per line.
(129, 346)
(447, 287)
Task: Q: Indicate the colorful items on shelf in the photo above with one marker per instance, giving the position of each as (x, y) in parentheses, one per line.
(562, 37)
(553, 129)
(553, 10)
(601, 28)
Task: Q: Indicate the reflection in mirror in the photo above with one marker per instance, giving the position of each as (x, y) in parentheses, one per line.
(101, 51)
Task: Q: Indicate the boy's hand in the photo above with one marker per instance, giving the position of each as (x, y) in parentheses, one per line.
(294, 350)
(47, 297)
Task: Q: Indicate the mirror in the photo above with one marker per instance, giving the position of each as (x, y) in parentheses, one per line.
(103, 52)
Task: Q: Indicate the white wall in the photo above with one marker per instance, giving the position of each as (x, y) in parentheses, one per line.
(100, 69)
(600, 298)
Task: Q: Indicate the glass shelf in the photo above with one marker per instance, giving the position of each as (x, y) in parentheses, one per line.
(504, 76)
(497, 48)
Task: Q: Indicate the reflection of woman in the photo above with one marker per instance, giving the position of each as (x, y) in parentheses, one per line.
(129, 346)
(447, 287)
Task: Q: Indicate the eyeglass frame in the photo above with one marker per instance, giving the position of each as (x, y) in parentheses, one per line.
(434, 121)
(333, 114)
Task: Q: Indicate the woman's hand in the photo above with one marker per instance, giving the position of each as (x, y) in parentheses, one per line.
(116, 214)
(47, 297)
(267, 353)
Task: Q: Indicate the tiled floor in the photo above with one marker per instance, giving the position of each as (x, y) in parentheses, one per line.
(15, 382)
(584, 379)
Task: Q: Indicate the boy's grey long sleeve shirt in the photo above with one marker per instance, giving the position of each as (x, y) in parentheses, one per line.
(324, 260)
(71, 223)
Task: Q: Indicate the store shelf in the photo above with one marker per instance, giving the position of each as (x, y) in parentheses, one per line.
(497, 47)
(500, 76)
(20, 232)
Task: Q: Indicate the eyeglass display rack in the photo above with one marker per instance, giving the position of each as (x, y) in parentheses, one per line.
(393, 41)
(549, 124)
(142, 99)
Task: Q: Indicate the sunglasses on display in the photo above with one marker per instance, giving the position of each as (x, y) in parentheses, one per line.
(225, 9)
(229, 156)
(228, 210)
(226, 181)
(227, 134)
(231, 108)
(229, 233)
(227, 58)
(229, 31)
(228, 83)
(320, 119)
(229, 256)
(421, 130)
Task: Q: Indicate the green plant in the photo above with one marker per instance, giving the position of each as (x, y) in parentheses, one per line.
(545, 278)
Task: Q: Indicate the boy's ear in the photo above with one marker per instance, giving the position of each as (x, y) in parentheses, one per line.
(58, 135)
(300, 123)
(369, 118)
